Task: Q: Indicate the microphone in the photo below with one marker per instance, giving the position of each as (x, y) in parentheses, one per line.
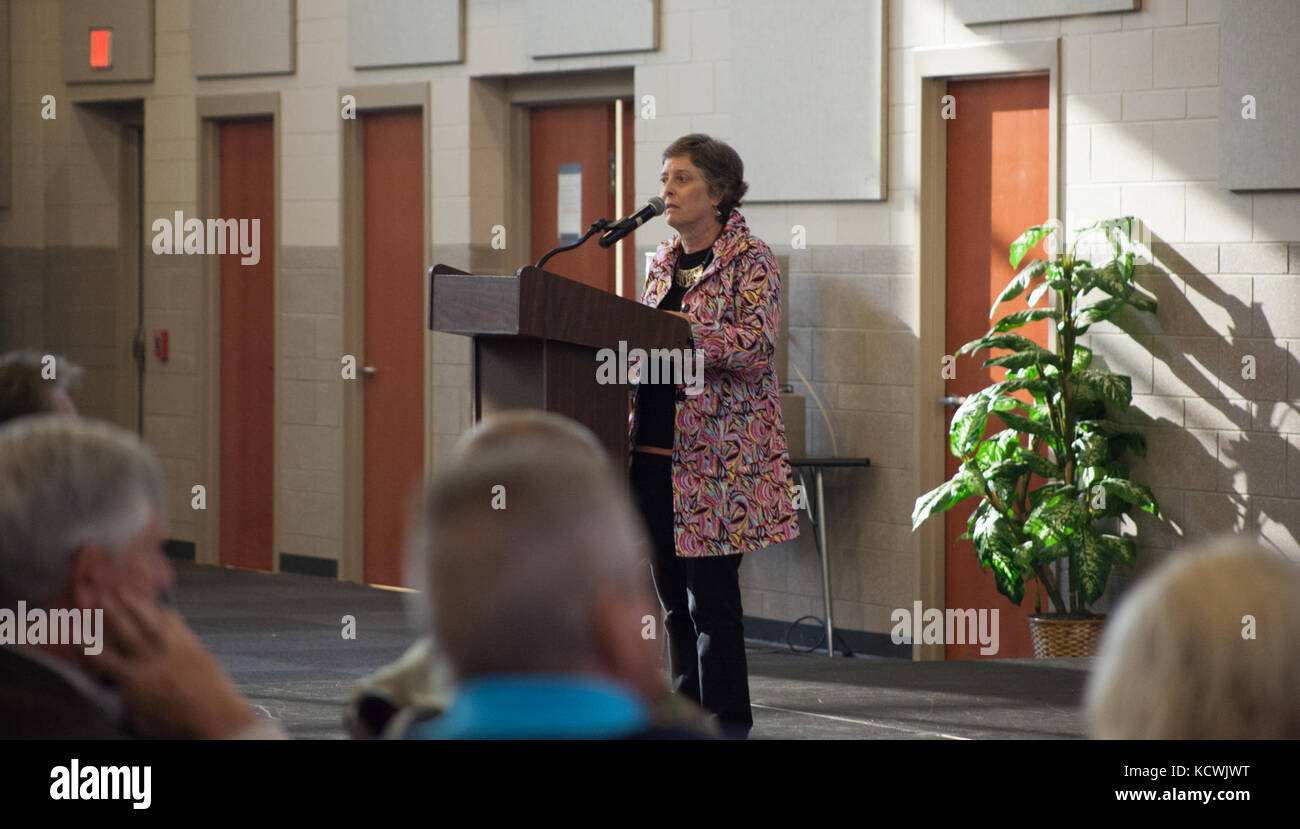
(653, 208)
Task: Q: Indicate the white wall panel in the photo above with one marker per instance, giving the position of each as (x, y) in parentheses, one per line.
(807, 102)
(241, 37)
(559, 28)
(1258, 57)
(404, 32)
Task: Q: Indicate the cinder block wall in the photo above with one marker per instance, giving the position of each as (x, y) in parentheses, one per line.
(1138, 136)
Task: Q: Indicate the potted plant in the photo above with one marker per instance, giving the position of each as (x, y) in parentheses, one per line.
(1053, 480)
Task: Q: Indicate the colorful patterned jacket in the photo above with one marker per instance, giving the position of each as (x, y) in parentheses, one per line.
(732, 482)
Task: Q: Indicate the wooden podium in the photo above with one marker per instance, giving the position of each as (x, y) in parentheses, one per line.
(536, 335)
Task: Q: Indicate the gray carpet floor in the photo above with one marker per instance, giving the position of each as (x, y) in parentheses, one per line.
(280, 638)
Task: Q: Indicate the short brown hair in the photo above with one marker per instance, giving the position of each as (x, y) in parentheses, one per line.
(23, 389)
(723, 171)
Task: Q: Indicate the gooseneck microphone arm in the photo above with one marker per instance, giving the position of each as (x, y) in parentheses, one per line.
(615, 230)
(596, 226)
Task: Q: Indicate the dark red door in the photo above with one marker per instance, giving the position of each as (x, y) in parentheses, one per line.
(394, 333)
(575, 143)
(997, 187)
(247, 175)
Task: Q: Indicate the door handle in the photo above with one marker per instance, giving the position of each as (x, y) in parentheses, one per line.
(952, 400)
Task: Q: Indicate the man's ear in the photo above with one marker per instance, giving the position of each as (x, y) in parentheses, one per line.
(616, 628)
(618, 644)
(89, 575)
(604, 629)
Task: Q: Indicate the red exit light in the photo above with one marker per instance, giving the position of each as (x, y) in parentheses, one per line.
(101, 48)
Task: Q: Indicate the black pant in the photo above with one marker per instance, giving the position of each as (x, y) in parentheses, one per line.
(701, 596)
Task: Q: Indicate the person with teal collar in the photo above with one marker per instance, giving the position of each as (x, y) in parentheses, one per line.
(538, 595)
(539, 707)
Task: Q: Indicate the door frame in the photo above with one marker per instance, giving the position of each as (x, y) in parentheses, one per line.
(352, 559)
(933, 69)
(210, 111)
(505, 104)
(130, 331)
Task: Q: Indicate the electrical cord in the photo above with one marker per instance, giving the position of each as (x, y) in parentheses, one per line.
(822, 641)
(813, 393)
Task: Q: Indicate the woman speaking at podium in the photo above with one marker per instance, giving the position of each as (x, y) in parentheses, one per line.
(710, 470)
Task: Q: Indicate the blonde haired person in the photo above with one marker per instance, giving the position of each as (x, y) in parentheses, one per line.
(420, 685)
(1205, 648)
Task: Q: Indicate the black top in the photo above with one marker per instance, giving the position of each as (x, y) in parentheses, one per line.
(656, 403)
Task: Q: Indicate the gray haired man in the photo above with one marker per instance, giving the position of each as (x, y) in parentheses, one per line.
(82, 521)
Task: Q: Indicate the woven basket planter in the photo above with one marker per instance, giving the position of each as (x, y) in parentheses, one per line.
(1065, 637)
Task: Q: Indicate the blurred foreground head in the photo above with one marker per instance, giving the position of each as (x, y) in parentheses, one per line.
(81, 512)
(1176, 661)
(26, 386)
(534, 555)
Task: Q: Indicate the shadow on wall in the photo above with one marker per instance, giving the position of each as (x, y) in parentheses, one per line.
(850, 335)
(1212, 405)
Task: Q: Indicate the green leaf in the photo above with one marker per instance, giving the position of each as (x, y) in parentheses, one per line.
(1098, 312)
(962, 485)
(1118, 231)
(1023, 359)
(1024, 424)
(1007, 577)
(967, 427)
(1019, 282)
(1026, 373)
(1011, 342)
(1116, 389)
(1124, 224)
(1086, 475)
(1120, 439)
(1100, 426)
(1056, 519)
(1121, 550)
(1004, 488)
(1038, 464)
(1006, 403)
(1019, 318)
(1090, 566)
(1038, 292)
(997, 544)
(1034, 550)
(1027, 240)
(1082, 357)
(1036, 386)
(975, 516)
(995, 448)
(1011, 468)
(1108, 278)
(1131, 492)
(1048, 492)
(1091, 450)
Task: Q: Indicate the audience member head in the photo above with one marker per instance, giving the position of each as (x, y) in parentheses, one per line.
(535, 556)
(1204, 648)
(26, 386)
(81, 513)
(509, 432)
(523, 430)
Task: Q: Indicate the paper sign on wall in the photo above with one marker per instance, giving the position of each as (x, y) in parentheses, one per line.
(568, 211)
